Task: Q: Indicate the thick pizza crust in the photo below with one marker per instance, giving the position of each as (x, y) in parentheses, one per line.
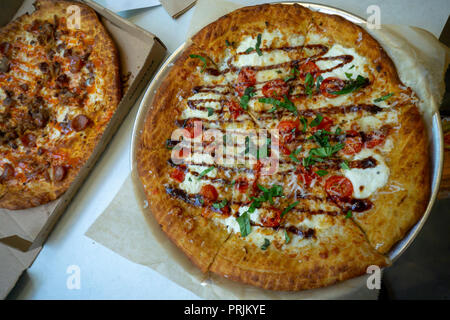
(38, 192)
(340, 252)
(401, 203)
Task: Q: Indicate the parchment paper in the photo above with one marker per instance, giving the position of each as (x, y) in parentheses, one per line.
(421, 63)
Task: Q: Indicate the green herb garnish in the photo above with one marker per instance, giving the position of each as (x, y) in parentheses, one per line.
(220, 205)
(317, 120)
(287, 104)
(309, 83)
(322, 173)
(266, 244)
(289, 208)
(248, 93)
(206, 171)
(244, 224)
(203, 59)
(344, 165)
(353, 85)
(258, 43)
(384, 97)
(210, 111)
(286, 237)
(249, 50)
(349, 214)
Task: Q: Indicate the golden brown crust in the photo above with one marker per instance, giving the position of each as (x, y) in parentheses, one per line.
(16, 196)
(344, 248)
(337, 253)
(401, 203)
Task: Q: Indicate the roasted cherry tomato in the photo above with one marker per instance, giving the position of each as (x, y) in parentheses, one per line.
(241, 184)
(271, 218)
(374, 139)
(330, 85)
(234, 108)
(288, 129)
(190, 126)
(275, 89)
(325, 124)
(353, 142)
(339, 187)
(209, 193)
(306, 176)
(177, 174)
(308, 67)
(246, 78)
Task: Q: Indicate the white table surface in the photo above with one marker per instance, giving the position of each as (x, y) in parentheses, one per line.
(104, 274)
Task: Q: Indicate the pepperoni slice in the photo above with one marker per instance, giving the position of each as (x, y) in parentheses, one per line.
(235, 108)
(309, 67)
(353, 142)
(209, 193)
(271, 218)
(275, 89)
(374, 139)
(246, 78)
(241, 184)
(339, 187)
(177, 174)
(288, 129)
(330, 85)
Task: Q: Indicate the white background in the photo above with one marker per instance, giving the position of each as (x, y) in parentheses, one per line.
(106, 275)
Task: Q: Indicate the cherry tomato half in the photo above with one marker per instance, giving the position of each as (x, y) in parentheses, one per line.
(177, 174)
(339, 187)
(209, 193)
(275, 89)
(246, 78)
(330, 85)
(353, 142)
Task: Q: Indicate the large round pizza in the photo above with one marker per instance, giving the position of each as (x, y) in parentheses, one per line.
(59, 87)
(283, 151)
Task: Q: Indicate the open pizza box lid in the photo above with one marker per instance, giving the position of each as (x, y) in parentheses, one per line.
(22, 232)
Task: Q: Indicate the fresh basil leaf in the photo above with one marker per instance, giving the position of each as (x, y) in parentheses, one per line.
(203, 59)
(220, 205)
(287, 104)
(309, 82)
(266, 244)
(244, 224)
(210, 111)
(384, 97)
(319, 82)
(353, 85)
(286, 237)
(344, 165)
(305, 124)
(317, 120)
(322, 173)
(206, 171)
(294, 158)
(289, 208)
(258, 43)
(248, 93)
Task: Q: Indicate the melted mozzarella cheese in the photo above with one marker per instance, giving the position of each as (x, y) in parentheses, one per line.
(356, 67)
(366, 181)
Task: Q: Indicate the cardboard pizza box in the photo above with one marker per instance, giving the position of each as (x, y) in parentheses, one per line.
(22, 232)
